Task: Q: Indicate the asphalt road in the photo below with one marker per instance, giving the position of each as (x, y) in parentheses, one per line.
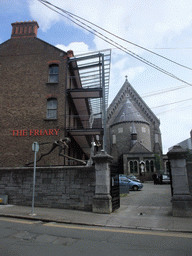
(29, 238)
(149, 195)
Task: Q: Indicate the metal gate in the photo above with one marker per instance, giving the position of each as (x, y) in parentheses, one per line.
(115, 187)
(170, 175)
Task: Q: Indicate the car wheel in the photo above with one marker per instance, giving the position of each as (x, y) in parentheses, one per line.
(135, 188)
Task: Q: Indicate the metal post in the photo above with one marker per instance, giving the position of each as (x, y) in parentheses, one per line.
(34, 172)
(35, 148)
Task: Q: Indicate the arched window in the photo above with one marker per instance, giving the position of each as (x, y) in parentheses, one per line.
(147, 165)
(53, 73)
(133, 166)
(152, 166)
(52, 108)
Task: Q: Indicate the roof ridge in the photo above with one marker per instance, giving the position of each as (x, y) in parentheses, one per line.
(140, 146)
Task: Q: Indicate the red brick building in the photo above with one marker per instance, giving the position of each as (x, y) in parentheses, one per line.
(42, 100)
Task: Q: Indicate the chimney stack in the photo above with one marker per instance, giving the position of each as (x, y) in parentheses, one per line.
(70, 54)
(24, 29)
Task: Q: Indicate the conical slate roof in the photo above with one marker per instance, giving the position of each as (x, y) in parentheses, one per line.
(128, 113)
(133, 97)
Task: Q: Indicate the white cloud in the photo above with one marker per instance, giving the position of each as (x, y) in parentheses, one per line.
(120, 68)
(179, 15)
(45, 16)
(176, 118)
(76, 47)
(133, 72)
(175, 127)
(143, 22)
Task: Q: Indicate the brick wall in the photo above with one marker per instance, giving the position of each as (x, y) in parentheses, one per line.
(58, 187)
(24, 91)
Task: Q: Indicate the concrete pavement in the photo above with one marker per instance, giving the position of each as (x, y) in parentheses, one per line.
(132, 217)
(149, 209)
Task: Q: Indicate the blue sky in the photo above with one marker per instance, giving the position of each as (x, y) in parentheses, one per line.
(162, 26)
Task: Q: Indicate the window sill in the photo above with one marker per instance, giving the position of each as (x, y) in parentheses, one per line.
(53, 83)
(50, 119)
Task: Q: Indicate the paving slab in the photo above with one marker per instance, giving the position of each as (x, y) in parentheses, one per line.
(129, 217)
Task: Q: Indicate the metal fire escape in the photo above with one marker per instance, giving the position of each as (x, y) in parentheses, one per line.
(89, 96)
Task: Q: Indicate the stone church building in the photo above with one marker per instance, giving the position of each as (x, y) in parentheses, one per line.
(134, 137)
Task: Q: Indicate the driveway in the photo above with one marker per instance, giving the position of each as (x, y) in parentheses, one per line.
(149, 195)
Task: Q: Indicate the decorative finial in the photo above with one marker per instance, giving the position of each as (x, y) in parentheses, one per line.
(126, 78)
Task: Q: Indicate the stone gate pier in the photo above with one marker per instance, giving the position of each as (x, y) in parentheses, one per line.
(181, 198)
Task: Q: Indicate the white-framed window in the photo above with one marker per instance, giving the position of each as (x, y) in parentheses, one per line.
(52, 108)
(53, 73)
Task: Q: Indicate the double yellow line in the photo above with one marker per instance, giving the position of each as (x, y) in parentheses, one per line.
(103, 229)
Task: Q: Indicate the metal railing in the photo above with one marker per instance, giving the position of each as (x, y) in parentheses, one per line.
(80, 122)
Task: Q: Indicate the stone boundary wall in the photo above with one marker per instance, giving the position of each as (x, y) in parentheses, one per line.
(189, 174)
(56, 187)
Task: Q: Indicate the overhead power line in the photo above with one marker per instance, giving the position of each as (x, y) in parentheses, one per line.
(139, 46)
(78, 22)
(173, 109)
(168, 104)
(158, 92)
